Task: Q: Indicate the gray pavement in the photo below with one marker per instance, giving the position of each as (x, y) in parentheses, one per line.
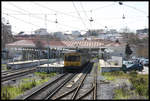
(145, 70)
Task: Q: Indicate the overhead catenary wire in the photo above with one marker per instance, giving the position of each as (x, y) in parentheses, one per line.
(85, 13)
(21, 20)
(135, 8)
(95, 9)
(102, 7)
(40, 5)
(42, 18)
(79, 15)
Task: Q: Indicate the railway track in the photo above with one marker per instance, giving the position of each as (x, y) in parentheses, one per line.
(14, 71)
(93, 90)
(17, 70)
(74, 92)
(13, 74)
(50, 89)
(17, 74)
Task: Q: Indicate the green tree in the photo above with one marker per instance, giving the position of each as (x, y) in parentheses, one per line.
(128, 51)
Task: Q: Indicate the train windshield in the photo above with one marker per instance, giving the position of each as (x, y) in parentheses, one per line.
(72, 58)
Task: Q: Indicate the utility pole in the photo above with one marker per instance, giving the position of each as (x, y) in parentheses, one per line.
(91, 20)
(46, 21)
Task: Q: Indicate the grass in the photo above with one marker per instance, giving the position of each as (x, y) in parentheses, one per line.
(10, 92)
(99, 68)
(139, 82)
(4, 67)
(114, 75)
(121, 93)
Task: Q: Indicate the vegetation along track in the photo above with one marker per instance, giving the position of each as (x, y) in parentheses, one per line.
(50, 88)
(17, 74)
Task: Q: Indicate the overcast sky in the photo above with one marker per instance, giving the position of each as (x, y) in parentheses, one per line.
(29, 16)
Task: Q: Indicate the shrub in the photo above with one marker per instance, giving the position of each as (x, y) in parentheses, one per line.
(140, 83)
(133, 74)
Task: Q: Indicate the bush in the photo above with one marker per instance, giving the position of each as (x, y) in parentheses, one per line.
(133, 74)
(140, 83)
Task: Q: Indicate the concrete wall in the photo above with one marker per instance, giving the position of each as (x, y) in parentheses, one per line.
(110, 69)
(50, 69)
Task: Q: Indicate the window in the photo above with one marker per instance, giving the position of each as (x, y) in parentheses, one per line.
(72, 58)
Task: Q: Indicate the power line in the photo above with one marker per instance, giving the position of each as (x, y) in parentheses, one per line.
(12, 10)
(135, 8)
(18, 7)
(55, 10)
(40, 17)
(79, 14)
(85, 13)
(102, 7)
(21, 20)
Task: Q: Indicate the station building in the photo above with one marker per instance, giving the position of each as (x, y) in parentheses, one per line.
(29, 50)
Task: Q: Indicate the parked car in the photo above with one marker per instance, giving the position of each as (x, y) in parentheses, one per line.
(145, 62)
(130, 65)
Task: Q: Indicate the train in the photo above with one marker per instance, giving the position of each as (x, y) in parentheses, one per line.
(75, 60)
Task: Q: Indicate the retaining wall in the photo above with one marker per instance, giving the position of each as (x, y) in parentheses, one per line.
(50, 69)
(110, 69)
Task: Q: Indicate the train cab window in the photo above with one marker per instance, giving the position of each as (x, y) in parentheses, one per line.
(72, 58)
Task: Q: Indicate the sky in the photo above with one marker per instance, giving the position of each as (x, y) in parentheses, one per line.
(29, 16)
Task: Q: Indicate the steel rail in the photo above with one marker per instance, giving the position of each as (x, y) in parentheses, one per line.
(87, 93)
(95, 84)
(76, 92)
(15, 75)
(15, 71)
(64, 94)
(59, 87)
(93, 89)
(43, 88)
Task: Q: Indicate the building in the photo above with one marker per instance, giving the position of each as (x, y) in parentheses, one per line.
(76, 33)
(142, 31)
(41, 31)
(30, 45)
(59, 35)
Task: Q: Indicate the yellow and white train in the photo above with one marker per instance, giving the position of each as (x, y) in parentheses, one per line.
(75, 60)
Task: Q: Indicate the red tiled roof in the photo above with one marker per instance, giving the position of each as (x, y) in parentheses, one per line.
(65, 44)
(83, 43)
(28, 43)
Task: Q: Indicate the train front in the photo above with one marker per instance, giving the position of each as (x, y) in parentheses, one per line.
(72, 61)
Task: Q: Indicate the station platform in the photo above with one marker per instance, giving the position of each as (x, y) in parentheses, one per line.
(29, 63)
(114, 64)
(54, 64)
(107, 64)
(52, 67)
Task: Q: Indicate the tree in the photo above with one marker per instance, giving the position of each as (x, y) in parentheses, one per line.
(128, 51)
(38, 44)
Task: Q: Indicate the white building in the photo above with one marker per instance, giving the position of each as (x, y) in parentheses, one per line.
(41, 31)
(59, 35)
(76, 33)
(112, 34)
